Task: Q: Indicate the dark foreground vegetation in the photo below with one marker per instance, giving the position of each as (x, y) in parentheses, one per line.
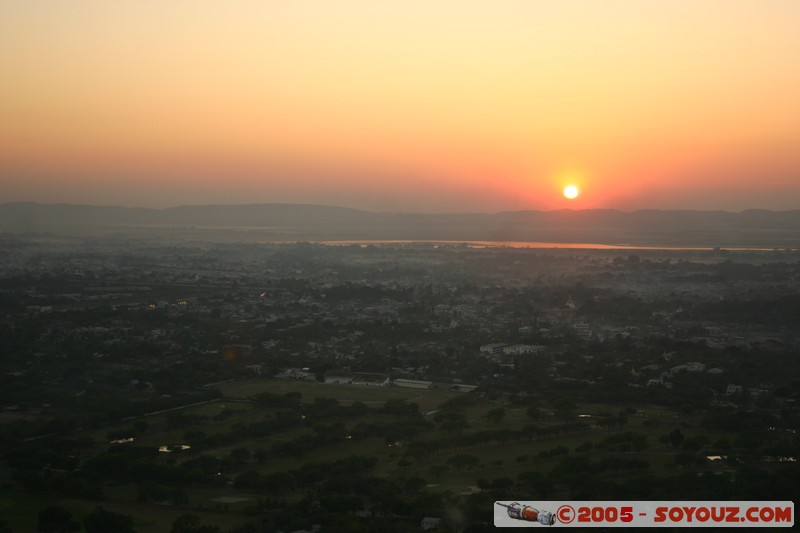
(139, 393)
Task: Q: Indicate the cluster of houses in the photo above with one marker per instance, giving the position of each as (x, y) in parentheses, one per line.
(497, 350)
(663, 379)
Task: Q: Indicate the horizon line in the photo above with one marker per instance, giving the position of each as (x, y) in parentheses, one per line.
(454, 213)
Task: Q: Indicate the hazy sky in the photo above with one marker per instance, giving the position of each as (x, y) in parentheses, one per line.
(430, 105)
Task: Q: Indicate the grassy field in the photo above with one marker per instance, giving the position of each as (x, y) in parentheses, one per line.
(223, 505)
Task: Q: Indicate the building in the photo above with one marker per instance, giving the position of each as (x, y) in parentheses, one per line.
(413, 384)
(583, 330)
(733, 390)
(494, 348)
(519, 349)
(297, 373)
(430, 522)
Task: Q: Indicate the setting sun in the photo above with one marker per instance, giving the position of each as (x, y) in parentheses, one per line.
(571, 192)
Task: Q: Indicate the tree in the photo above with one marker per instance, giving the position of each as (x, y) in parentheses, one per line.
(534, 412)
(696, 442)
(384, 497)
(240, 455)
(55, 519)
(676, 437)
(249, 479)
(280, 482)
(294, 397)
(455, 425)
(464, 460)
(189, 523)
(186, 523)
(496, 415)
(260, 455)
(414, 484)
(722, 444)
(502, 484)
(536, 481)
(437, 470)
(686, 460)
(399, 406)
(340, 503)
(102, 521)
(564, 408)
(606, 422)
(179, 496)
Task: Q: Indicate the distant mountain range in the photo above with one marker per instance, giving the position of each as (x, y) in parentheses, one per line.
(751, 228)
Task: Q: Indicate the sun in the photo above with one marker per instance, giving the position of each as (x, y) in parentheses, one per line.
(571, 192)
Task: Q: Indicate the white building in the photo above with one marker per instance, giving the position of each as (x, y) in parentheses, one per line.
(494, 348)
(734, 389)
(413, 383)
(519, 349)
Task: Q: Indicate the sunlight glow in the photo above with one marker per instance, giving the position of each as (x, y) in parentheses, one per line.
(571, 192)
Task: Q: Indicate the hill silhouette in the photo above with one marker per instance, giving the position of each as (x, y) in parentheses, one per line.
(753, 228)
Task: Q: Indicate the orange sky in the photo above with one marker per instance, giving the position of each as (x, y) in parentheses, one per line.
(447, 105)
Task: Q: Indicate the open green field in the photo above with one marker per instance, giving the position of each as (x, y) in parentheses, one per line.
(225, 505)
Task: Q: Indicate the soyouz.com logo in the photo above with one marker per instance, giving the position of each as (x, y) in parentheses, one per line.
(644, 514)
